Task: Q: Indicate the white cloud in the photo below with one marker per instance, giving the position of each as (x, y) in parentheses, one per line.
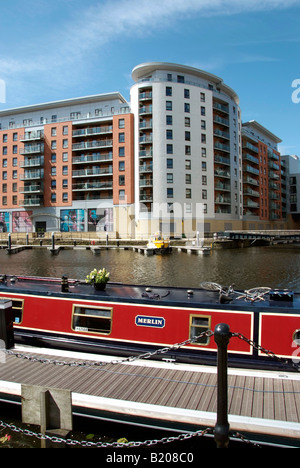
(67, 51)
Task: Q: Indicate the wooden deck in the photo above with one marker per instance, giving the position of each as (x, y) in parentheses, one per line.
(166, 395)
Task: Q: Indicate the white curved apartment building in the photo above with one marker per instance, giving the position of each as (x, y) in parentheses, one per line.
(188, 157)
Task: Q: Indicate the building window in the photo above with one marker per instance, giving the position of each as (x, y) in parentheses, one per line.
(65, 130)
(187, 107)
(121, 165)
(121, 180)
(169, 134)
(65, 170)
(65, 143)
(121, 137)
(168, 90)
(169, 163)
(169, 178)
(121, 194)
(202, 97)
(53, 184)
(180, 79)
(188, 193)
(169, 119)
(202, 110)
(65, 197)
(53, 197)
(121, 123)
(53, 131)
(168, 105)
(188, 179)
(53, 158)
(187, 136)
(65, 183)
(121, 151)
(188, 164)
(169, 149)
(187, 93)
(53, 144)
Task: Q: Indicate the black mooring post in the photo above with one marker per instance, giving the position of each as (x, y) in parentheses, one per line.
(222, 335)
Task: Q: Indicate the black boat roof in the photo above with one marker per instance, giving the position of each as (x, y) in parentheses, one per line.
(161, 295)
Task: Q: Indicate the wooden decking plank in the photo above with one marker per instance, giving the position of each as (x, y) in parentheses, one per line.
(279, 403)
(257, 406)
(208, 396)
(236, 394)
(290, 402)
(248, 395)
(268, 399)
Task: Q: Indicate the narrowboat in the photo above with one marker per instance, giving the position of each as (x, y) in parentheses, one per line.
(130, 320)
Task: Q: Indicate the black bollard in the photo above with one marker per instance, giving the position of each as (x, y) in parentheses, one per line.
(222, 335)
(64, 284)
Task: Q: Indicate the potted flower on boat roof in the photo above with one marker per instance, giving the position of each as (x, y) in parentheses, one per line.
(99, 278)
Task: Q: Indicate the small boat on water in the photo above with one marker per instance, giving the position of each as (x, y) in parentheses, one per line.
(159, 244)
(129, 320)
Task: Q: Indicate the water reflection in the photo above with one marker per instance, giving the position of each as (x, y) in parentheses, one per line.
(256, 266)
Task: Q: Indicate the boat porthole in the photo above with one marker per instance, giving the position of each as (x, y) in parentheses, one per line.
(296, 337)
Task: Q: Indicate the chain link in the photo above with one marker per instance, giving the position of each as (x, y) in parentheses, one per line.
(96, 364)
(266, 351)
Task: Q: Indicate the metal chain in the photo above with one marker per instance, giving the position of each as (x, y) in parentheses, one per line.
(266, 351)
(85, 443)
(105, 363)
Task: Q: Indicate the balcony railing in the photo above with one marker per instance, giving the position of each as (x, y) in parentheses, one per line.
(30, 149)
(91, 144)
(92, 172)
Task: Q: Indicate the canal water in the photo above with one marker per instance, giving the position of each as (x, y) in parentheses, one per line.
(275, 267)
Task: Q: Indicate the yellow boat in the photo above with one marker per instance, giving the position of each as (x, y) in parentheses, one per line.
(159, 242)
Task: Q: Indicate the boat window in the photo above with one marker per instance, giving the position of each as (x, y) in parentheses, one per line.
(296, 337)
(17, 308)
(198, 325)
(92, 319)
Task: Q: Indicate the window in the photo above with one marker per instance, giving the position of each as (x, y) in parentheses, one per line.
(53, 157)
(65, 197)
(169, 149)
(121, 151)
(169, 163)
(65, 143)
(169, 134)
(169, 178)
(121, 180)
(188, 164)
(170, 193)
(200, 324)
(188, 193)
(53, 184)
(121, 194)
(17, 308)
(180, 78)
(169, 119)
(53, 144)
(187, 122)
(187, 93)
(121, 137)
(168, 90)
(65, 130)
(121, 165)
(202, 110)
(53, 131)
(53, 197)
(65, 183)
(168, 105)
(121, 123)
(65, 170)
(187, 136)
(92, 319)
(202, 97)
(187, 107)
(188, 179)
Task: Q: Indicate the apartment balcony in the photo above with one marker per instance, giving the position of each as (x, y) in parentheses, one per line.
(221, 146)
(32, 136)
(91, 144)
(146, 125)
(29, 202)
(92, 186)
(221, 107)
(93, 172)
(251, 204)
(222, 160)
(93, 158)
(223, 200)
(32, 162)
(250, 181)
(249, 157)
(32, 149)
(146, 182)
(251, 169)
(29, 189)
(221, 120)
(222, 174)
(146, 168)
(145, 96)
(146, 154)
(221, 133)
(147, 198)
(250, 192)
(92, 131)
(145, 110)
(32, 175)
(250, 147)
(146, 139)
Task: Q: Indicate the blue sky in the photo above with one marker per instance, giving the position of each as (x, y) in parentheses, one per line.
(61, 49)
